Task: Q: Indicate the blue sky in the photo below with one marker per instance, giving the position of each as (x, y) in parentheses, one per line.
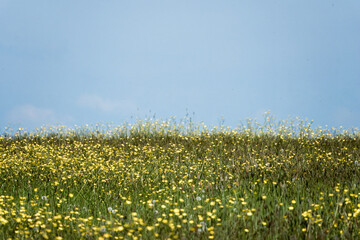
(83, 62)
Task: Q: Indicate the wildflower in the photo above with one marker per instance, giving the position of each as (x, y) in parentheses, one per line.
(44, 198)
(149, 228)
(176, 211)
(3, 221)
(110, 209)
(198, 198)
(202, 227)
(106, 235)
(357, 212)
(118, 229)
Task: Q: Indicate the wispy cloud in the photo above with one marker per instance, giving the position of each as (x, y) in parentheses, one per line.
(98, 103)
(30, 115)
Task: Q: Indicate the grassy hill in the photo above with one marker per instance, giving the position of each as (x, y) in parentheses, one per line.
(161, 180)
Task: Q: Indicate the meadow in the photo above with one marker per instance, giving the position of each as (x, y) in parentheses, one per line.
(168, 180)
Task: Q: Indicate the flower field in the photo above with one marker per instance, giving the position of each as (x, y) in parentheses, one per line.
(161, 180)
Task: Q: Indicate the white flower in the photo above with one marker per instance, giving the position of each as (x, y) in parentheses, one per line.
(44, 198)
(110, 209)
(198, 198)
(203, 227)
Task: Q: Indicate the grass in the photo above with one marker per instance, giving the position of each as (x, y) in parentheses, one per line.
(163, 180)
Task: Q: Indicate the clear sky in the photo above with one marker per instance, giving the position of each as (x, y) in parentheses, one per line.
(84, 61)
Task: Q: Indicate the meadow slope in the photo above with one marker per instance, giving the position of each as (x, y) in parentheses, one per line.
(159, 180)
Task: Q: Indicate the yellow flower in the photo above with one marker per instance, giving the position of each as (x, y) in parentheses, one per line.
(3, 221)
(118, 229)
(176, 211)
(106, 235)
(357, 212)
